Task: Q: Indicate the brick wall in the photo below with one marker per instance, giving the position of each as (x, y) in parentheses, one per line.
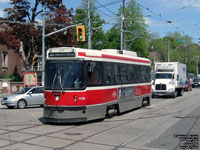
(14, 62)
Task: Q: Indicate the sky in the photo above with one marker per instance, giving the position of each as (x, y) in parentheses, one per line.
(161, 16)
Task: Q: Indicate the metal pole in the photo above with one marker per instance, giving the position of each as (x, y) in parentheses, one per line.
(168, 51)
(122, 32)
(43, 45)
(89, 25)
(63, 29)
(197, 63)
(124, 26)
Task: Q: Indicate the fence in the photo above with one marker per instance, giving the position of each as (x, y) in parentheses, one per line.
(7, 87)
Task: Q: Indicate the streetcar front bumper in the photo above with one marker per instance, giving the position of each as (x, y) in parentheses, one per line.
(72, 114)
(53, 114)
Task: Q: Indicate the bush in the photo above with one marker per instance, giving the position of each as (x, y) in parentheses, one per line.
(13, 78)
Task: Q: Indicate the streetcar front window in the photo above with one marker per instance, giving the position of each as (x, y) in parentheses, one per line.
(60, 75)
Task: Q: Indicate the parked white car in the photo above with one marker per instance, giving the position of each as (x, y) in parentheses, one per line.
(25, 97)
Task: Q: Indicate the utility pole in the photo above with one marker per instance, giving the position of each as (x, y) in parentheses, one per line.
(89, 24)
(197, 63)
(124, 26)
(168, 50)
(122, 33)
(43, 44)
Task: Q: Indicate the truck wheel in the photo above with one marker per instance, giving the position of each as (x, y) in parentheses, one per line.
(174, 95)
(181, 92)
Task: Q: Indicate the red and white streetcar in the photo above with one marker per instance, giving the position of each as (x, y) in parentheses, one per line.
(83, 85)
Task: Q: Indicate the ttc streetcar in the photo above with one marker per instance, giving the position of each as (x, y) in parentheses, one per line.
(83, 85)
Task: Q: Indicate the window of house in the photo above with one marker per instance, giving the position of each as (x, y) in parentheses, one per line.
(4, 60)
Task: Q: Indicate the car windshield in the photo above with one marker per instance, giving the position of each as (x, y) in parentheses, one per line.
(24, 90)
(163, 76)
(61, 75)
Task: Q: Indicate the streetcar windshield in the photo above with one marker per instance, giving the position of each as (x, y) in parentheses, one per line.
(60, 75)
(163, 76)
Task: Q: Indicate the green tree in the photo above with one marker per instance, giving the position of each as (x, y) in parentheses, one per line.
(96, 26)
(181, 50)
(29, 32)
(112, 39)
(136, 33)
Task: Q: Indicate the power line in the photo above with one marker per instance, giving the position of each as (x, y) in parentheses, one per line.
(111, 3)
(105, 7)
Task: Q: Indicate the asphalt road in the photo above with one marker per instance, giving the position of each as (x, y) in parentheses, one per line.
(167, 124)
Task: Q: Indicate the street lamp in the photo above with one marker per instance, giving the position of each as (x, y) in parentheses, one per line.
(170, 22)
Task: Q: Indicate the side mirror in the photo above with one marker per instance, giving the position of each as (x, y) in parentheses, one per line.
(29, 93)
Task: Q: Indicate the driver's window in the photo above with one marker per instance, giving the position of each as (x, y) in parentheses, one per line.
(33, 91)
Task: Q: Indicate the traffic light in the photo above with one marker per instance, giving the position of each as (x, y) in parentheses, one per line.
(35, 61)
(80, 30)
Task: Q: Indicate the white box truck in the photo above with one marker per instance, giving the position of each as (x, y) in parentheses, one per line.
(170, 79)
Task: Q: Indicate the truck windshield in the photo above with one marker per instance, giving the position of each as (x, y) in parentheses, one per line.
(60, 75)
(163, 76)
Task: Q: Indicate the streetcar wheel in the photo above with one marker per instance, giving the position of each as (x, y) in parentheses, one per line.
(21, 104)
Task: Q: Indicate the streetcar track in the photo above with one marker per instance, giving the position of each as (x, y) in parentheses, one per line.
(129, 121)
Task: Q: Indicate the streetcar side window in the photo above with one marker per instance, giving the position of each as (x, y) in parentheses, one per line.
(131, 74)
(148, 74)
(143, 74)
(117, 73)
(124, 73)
(137, 73)
(93, 73)
(108, 73)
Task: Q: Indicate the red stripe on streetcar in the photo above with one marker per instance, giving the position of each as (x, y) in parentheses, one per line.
(90, 97)
(81, 54)
(124, 58)
(115, 57)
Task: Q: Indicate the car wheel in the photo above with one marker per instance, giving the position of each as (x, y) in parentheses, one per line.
(21, 104)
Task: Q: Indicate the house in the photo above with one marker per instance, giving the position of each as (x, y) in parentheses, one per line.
(10, 62)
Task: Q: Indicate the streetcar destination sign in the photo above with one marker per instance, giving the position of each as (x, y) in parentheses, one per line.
(68, 54)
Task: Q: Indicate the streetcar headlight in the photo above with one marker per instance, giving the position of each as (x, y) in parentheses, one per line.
(57, 98)
(75, 98)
